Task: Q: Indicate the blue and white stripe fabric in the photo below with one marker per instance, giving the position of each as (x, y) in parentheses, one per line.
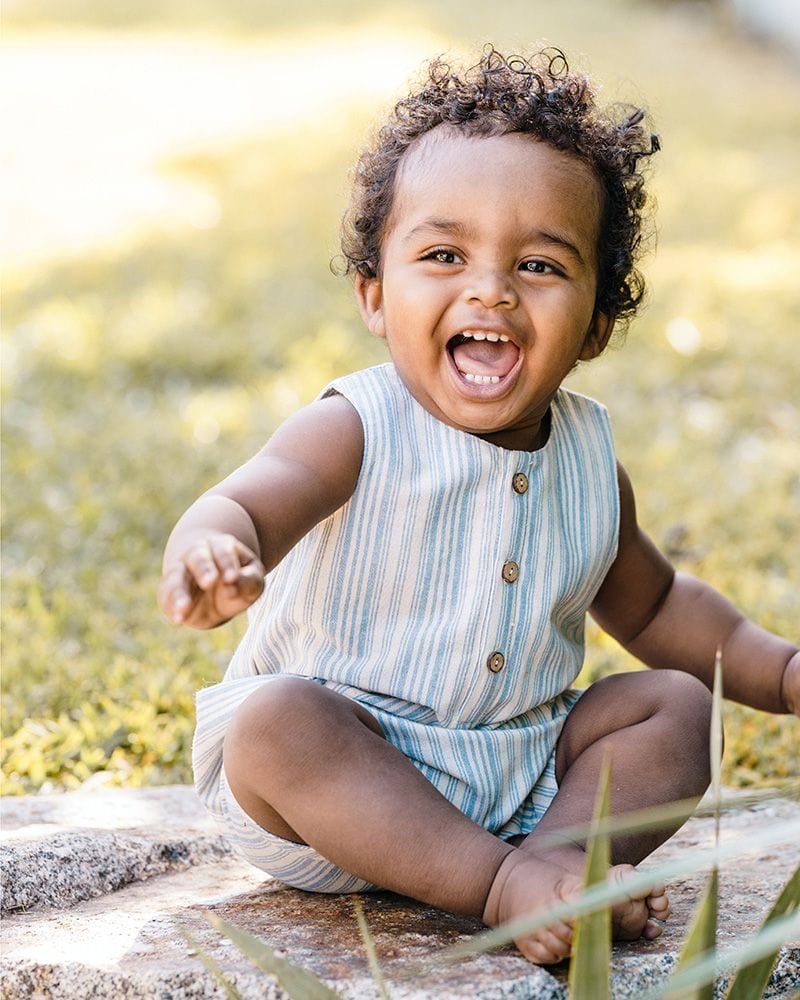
(447, 596)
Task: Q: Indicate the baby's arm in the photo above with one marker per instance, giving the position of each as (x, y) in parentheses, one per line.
(222, 547)
(673, 620)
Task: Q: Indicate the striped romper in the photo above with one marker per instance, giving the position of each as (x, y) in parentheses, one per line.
(448, 597)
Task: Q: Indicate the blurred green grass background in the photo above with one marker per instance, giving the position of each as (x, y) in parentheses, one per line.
(139, 370)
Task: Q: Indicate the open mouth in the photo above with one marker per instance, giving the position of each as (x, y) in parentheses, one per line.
(483, 358)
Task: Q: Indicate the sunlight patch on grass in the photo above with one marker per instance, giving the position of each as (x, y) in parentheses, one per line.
(217, 410)
(101, 114)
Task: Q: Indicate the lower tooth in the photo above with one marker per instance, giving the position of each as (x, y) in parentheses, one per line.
(482, 379)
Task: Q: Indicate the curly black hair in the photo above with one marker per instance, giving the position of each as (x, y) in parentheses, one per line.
(538, 96)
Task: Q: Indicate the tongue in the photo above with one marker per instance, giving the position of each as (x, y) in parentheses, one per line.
(485, 357)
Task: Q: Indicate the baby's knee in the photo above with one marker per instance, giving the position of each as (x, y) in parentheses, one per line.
(686, 697)
(686, 701)
(274, 718)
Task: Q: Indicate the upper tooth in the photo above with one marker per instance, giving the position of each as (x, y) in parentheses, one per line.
(493, 337)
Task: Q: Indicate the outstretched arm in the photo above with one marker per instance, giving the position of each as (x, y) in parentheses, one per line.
(222, 547)
(672, 620)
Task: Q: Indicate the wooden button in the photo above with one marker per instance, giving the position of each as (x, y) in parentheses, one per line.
(510, 571)
(495, 662)
(520, 483)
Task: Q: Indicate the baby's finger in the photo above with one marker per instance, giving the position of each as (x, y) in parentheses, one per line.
(250, 579)
(200, 563)
(225, 553)
(176, 594)
(232, 598)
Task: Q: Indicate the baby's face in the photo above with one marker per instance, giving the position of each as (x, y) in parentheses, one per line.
(487, 289)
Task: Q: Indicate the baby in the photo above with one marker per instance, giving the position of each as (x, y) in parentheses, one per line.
(419, 547)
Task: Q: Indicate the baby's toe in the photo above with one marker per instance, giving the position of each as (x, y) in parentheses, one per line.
(658, 906)
(547, 946)
(629, 921)
(652, 930)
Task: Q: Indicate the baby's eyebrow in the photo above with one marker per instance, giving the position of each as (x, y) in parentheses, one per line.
(438, 227)
(557, 240)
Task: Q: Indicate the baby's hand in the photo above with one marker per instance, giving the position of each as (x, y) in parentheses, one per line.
(215, 579)
(790, 689)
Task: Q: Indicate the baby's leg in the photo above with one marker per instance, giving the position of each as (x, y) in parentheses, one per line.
(314, 767)
(653, 729)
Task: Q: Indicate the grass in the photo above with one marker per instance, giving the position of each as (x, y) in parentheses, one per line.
(140, 372)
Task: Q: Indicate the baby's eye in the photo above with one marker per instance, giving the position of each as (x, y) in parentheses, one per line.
(441, 255)
(538, 267)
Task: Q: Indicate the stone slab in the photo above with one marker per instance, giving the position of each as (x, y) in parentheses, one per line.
(165, 807)
(127, 943)
(58, 850)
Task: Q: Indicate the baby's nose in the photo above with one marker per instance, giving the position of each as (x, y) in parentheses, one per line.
(491, 287)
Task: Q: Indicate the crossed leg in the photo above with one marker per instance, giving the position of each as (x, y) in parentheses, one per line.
(314, 767)
(653, 729)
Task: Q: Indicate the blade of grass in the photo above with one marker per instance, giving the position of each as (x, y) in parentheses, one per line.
(708, 969)
(590, 967)
(297, 982)
(602, 895)
(700, 943)
(751, 979)
(369, 945)
(211, 964)
(715, 743)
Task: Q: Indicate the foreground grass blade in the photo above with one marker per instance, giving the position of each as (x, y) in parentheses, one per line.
(700, 943)
(211, 964)
(751, 980)
(369, 945)
(780, 931)
(715, 743)
(297, 982)
(590, 967)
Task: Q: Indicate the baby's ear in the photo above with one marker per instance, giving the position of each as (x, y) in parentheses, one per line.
(369, 295)
(597, 336)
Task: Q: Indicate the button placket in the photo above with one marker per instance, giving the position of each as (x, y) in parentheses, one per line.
(496, 661)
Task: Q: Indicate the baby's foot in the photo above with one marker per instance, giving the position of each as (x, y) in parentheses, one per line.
(640, 915)
(525, 877)
(524, 885)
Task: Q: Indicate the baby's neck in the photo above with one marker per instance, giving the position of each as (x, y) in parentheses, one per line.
(522, 438)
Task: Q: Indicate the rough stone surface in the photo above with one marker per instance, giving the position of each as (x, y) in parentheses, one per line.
(59, 850)
(128, 943)
(69, 867)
